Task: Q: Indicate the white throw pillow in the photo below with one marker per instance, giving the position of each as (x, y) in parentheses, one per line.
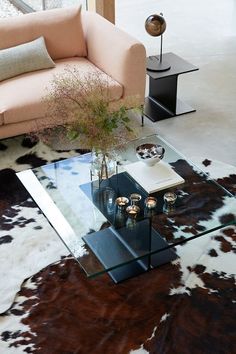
(24, 58)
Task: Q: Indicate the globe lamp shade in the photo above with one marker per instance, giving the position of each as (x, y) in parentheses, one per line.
(155, 25)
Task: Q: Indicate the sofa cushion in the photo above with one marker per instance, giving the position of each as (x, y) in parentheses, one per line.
(61, 29)
(24, 58)
(22, 96)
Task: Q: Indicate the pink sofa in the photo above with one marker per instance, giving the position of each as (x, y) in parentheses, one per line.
(83, 39)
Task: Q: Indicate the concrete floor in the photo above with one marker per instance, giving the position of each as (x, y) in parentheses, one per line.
(204, 33)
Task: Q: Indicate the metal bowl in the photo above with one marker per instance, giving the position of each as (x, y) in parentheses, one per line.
(149, 153)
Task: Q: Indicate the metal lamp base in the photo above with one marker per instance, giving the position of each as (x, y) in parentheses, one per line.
(154, 64)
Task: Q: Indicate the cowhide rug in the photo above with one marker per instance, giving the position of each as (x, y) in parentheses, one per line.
(47, 304)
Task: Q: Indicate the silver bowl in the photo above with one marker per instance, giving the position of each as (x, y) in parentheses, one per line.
(150, 153)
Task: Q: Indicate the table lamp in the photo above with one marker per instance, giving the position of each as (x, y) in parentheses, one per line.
(155, 25)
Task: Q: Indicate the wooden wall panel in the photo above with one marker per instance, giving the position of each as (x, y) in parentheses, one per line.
(105, 8)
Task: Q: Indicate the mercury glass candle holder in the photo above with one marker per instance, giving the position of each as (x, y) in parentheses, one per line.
(150, 202)
(170, 198)
(131, 223)
(135, 198)
(132, 210)
(121, 202)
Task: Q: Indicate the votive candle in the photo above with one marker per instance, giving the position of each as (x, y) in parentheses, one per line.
(133, 210)
(150, 202)
(122, 202)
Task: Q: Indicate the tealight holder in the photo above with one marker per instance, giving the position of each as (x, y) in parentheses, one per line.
(168, 209)
(169, 202)
(121, 202)
(132, 210)
(120, 218)
(135, 198)
(131, 223)
(150, 202)
(170, 198)
(149, 213)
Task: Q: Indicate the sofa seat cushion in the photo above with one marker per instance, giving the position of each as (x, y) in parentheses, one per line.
(61, 29)
(22, 96)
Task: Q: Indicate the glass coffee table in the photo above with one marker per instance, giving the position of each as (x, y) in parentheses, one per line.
(102, 237)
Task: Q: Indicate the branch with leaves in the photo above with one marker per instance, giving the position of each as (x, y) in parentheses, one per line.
(86, 110)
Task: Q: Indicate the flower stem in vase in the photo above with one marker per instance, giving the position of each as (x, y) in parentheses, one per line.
(103, 174)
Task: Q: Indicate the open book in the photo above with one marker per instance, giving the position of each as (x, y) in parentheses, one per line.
(154, 178)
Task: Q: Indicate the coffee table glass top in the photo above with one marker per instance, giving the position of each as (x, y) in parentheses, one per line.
(103, 238)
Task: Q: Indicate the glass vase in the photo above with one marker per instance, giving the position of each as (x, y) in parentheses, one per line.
(102, 166)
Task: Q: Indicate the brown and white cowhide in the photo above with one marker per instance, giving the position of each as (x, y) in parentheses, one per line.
(48, 306)
(22, 226)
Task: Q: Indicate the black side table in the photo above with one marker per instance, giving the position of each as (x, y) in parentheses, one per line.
(162, 101)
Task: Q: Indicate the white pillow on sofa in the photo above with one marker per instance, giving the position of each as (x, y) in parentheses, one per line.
(24, 58)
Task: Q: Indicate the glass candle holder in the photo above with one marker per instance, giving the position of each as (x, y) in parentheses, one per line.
(132, 211)
(131, 223)
(150, 202)
(121, 202)
(120, 218)
(135, 198)
(170, 198)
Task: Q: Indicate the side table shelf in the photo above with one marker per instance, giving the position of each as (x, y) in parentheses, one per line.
(162, 102)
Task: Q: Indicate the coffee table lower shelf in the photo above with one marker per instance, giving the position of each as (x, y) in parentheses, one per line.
(118, 251)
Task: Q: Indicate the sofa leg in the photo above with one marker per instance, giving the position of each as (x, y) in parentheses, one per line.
(142, 121)
(142, 117)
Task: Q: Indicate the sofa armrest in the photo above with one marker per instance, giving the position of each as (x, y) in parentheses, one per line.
(116, 53)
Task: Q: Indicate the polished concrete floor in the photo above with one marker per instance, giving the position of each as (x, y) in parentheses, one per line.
(204, 33)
